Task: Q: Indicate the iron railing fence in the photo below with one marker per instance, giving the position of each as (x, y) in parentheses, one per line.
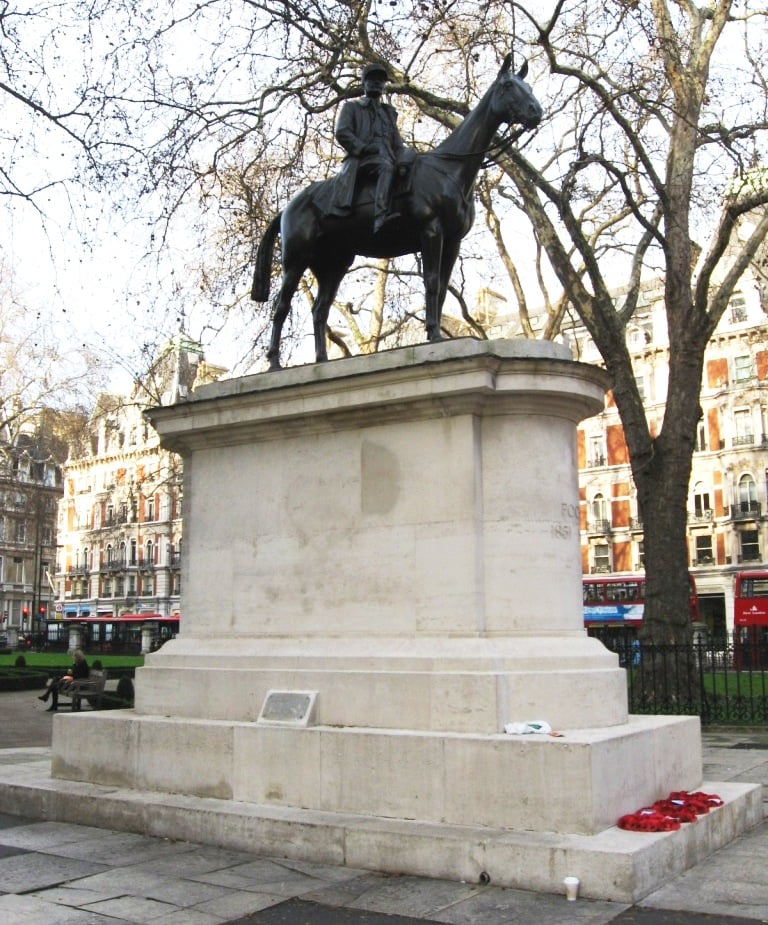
(719, 680)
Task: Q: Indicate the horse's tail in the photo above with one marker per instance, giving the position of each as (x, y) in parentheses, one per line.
(262, 272)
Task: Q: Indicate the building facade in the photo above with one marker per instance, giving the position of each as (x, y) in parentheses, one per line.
(120, 517)
(728, 493)
(30, 488)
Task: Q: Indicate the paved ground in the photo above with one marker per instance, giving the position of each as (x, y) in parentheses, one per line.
(54, 873)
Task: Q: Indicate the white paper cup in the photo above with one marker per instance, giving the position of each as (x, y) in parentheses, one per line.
(571, 885)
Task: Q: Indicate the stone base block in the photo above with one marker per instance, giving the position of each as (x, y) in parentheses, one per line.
(612, 865)
(451, 684)
(578, 784)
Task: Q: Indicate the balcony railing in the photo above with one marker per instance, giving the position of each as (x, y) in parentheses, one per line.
(745, 510)
(597, 525)
(698, 517)
(703, 560)
(744, 440)
(749, 555)
(595, 461)
(78, 570)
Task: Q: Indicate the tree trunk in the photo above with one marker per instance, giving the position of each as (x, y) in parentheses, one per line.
(668, 671)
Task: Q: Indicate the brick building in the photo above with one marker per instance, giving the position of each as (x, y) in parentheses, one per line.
(728, 495)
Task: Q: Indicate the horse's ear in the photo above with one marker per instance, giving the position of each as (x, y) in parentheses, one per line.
(523, 70)
(507, 63)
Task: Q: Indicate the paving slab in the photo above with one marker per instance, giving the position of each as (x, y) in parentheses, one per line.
(23, 873)
(30, 910)
(62, 873)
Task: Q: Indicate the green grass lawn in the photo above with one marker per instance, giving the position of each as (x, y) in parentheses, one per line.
(59, 659)
(737, 684)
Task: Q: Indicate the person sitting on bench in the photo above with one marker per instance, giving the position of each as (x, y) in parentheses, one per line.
(78, 672)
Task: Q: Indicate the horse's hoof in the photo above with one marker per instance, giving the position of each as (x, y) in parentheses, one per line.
(434, 337)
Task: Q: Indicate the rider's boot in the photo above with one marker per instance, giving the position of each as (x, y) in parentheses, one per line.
(382, 204)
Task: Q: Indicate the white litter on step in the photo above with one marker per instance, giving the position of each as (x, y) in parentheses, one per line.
(526, 728)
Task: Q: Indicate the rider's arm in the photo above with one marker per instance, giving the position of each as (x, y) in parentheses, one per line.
(346, 130)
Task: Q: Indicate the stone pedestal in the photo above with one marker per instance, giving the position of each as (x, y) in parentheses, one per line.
(391, 542)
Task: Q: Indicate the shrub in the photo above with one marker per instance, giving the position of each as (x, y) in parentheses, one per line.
(20, 662)
(125, 690)
(97, 666)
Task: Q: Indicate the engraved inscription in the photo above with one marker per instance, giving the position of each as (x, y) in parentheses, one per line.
(290, 708)
(285, 705)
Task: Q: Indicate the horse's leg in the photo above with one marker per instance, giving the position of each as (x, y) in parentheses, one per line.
(291, 276)
(431, 258)
(329, 279)
(450, 254)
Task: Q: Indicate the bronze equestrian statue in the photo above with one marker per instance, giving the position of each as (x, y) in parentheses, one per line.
(435, 210)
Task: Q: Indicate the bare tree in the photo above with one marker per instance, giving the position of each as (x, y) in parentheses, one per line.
(649, 117)
(37, 378)
(657, 114)
(662, 120)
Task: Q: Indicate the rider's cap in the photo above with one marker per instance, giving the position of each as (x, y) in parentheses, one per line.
(375, 69)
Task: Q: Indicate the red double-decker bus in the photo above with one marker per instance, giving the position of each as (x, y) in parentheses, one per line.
(614, 606)
(750, 620)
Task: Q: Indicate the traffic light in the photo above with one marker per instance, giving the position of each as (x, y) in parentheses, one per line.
(42, 611)
(25, 611)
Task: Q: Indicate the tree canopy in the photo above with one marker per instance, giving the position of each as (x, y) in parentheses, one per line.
(206, 117)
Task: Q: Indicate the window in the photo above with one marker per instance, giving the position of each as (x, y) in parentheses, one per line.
(150, 553)
(743, 435)
(640, 383)
(20, 531)
(742, 369)
(738, 308)
(602, 557)
(701, 507)
(750, 546)
(109, 554)
(14, 570)
(596, 452)
(147, 587)
(701, 438)
(133, 552)
(640, 554)
(704, 549)
(747, 494)
(150, 508)
(120, 586)
(641, 335)
(600, 522)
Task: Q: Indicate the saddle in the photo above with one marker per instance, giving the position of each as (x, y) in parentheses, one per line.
(328, 195)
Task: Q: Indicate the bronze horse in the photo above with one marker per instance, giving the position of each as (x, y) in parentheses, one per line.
(436, 212)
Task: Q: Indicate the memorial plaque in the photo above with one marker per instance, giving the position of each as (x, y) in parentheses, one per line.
(288, 708)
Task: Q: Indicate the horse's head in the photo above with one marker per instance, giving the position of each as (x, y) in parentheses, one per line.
(514, 99)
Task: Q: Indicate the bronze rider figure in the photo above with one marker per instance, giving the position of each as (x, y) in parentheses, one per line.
(367, 130)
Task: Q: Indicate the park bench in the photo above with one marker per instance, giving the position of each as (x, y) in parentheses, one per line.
(90, 689)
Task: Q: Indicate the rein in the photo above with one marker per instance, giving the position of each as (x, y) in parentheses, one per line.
(488, 154)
